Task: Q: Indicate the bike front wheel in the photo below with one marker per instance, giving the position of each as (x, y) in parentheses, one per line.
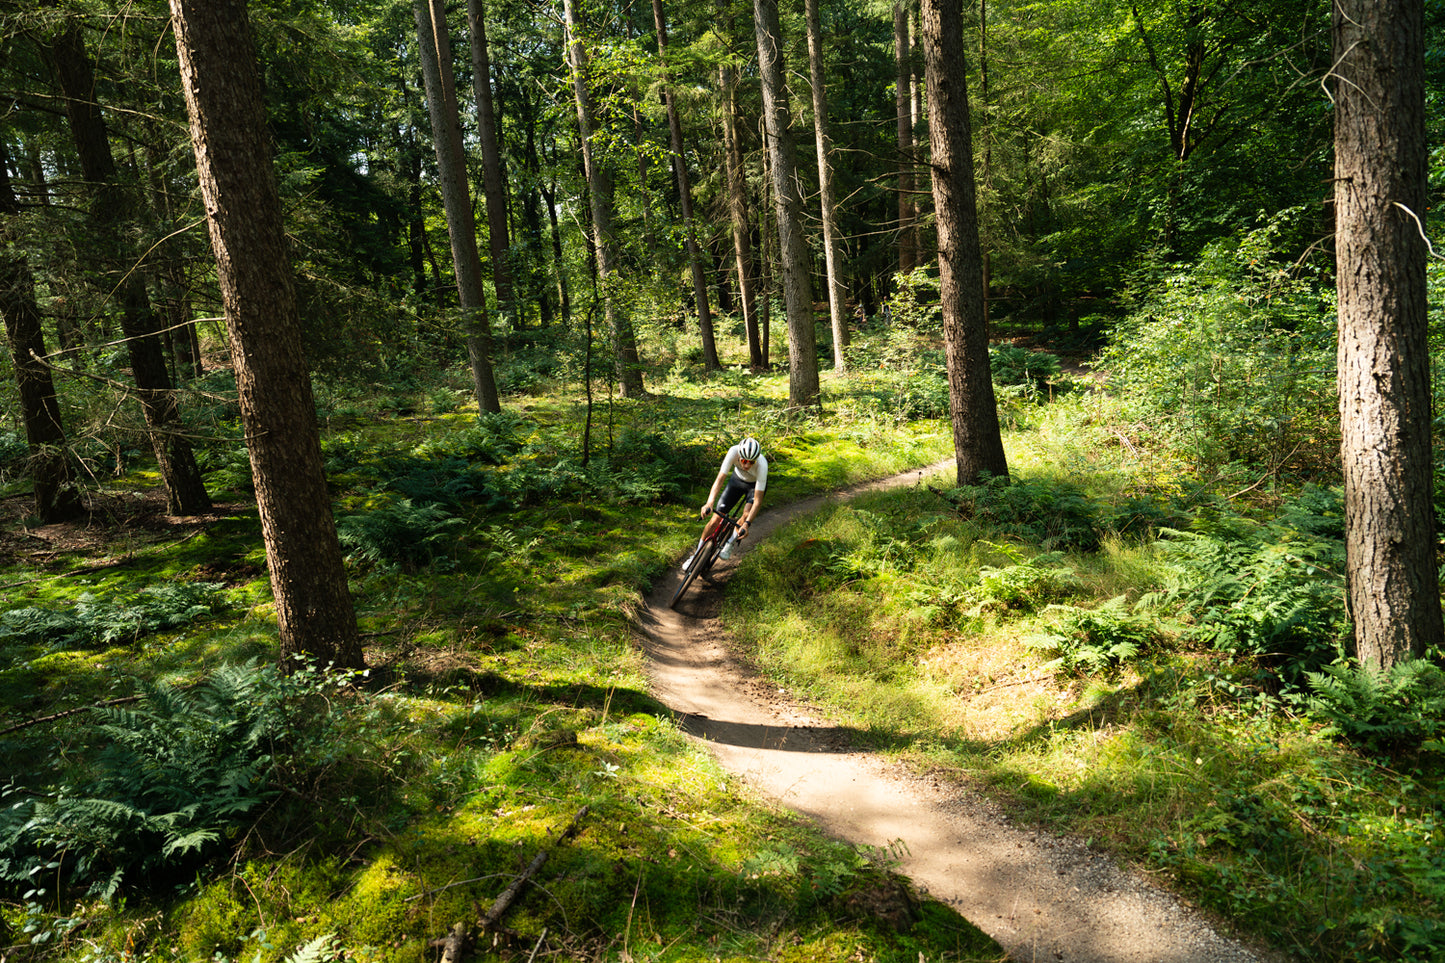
(700, 560)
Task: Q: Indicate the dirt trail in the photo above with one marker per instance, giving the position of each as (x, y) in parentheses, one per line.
(1042, 897)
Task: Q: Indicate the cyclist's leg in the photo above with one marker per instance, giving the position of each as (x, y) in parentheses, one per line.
(736, 489)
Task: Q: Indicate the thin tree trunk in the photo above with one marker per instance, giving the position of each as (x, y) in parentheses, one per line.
(185, 489)
(738, 214)
(493, 174)
(684, 191)
(599, 184)
(314, 613)
(903, 103)
(1384, 361)
(803, 390)
(984, 121)
(55, 494)
(837, 296)
(441, 97)
(977, 441)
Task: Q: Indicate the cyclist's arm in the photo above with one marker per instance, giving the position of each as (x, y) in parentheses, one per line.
(755, 504)
(717, 487)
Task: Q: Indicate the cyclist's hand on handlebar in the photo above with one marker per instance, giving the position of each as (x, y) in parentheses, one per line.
(706, 511)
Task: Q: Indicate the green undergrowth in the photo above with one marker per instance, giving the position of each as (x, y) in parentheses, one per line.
(1147, 665)
(169, 796)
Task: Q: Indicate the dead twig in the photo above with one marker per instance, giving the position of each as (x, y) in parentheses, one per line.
(67, 712)
(504, 902)
(456, 941)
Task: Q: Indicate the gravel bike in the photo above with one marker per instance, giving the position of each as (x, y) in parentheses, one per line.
(714, 538)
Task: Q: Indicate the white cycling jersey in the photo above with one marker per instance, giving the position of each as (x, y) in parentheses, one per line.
(756, 475)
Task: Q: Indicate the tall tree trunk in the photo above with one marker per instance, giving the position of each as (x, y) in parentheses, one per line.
(684, 192)
(837, 295)
(599, 187)
(314, 613)
(977, 441)
(803, 388)
(493, 174)
(738, 214)
(537, 279)
(185, 489)
(435, 46)
(903, 104)
(1383, 362)
(55, 494)
(985, 121)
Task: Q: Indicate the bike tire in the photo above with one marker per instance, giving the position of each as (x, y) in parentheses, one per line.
(699, 560)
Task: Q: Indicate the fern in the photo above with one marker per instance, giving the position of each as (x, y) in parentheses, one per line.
(399, 535)
(1386, 713)
(171, 779)
(113, 619)
(1095, 640)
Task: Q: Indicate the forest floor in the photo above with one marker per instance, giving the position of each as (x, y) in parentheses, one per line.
(1042, 897)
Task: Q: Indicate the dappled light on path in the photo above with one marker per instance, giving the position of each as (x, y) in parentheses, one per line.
(1041, 897)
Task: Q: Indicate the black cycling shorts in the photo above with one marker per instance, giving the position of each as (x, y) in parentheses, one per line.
(736, 488)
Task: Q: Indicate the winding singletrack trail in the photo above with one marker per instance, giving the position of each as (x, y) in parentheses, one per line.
(1042, 897)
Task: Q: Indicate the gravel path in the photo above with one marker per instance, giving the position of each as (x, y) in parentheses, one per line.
(1042, 897)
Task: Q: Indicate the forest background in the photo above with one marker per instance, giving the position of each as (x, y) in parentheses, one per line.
(1139, 637)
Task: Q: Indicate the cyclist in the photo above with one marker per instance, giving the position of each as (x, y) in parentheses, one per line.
(745, 472)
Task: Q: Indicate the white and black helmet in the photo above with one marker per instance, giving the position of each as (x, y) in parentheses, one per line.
(750, 449)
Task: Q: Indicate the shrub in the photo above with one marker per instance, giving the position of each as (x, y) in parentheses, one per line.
(1030, 370)
(1235, 357)
(1054, 514)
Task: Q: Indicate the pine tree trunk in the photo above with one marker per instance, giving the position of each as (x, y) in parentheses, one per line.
(493, 173)
(185, 489)
(56, 496)
(435, 46)
(1383, 361)
(314, 613)
(738, 215)
(837, 296)
(684, 191)
(903, 106)
(599, 187)
(977, 440)
(803, 389)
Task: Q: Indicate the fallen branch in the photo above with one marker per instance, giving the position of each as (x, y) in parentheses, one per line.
(455, 942)
(67, 712)
(503, 902)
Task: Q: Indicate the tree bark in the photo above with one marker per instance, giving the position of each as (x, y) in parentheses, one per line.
(435, 46)
(493, 172)
(684, 191)
(1383, 361)
(803, 390)
(903, 105)
(55, 493)
(837, 295)
(599, 188)
(738, 214)
(977, 440)
(314, 613)
(185, 489)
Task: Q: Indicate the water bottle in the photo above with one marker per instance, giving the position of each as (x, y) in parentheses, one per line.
(727, 549)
